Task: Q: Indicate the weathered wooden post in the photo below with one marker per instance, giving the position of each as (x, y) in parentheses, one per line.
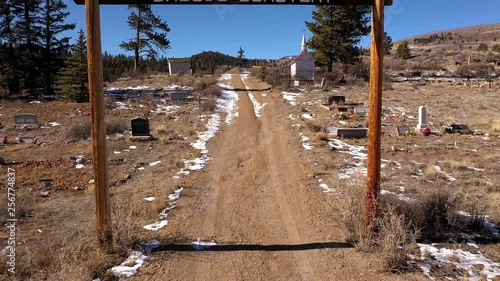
(97, 114)
(375, 112)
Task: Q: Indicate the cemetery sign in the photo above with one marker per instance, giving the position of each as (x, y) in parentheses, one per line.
(238, 2)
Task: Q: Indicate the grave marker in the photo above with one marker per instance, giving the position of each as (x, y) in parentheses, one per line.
(360, 111)
(140, 128)
(402, 130)
(422, 118)
(336, 100)
(26, 119)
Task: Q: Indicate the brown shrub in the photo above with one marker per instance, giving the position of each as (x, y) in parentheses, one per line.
(79, 131)
(394, 240)
(210, 104)
(211, 91)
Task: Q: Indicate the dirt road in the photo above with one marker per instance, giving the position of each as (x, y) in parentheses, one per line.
(255, 200)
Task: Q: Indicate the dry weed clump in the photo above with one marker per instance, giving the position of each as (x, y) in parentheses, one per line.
(79, 131)
(394, 239)
(116, 126)
(320, 136)
(82, 130)
(212, 91)
(210, 104)
(313, 126)
(72, 255)
(352, 216)
(436, 216)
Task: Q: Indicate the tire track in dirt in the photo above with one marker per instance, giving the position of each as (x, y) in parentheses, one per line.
(255, 199)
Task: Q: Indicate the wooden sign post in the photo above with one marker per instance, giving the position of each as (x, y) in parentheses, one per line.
(375, 112)
(97, 114)
(95, 74)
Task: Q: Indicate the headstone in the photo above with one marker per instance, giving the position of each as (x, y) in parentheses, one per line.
(360, 111)
(296, 83)
(336, 100)
(140, 127)
(351, 133)
(402, 130)
(422, 118)
(323, 82)
(179, 96)
(458, 128)
(25, 119)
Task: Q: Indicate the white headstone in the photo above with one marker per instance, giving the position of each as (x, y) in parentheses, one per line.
(422, 117)
(323, 82)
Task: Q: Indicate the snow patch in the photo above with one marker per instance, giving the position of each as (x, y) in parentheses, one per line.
(290, 97)
(326, 188)
(149, 199)
(475, 169)
(177, 193)
(399, 196)
(257, 107)
(307, 116)
(358, 152)
(155, 163)
(130, 266)
(202, 245)
(447, 177)
(307, 146)
(461, 259)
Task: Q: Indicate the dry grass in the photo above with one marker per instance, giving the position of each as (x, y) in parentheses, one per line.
(79, 131)
(352, 217)
(210, 104)
(395, 244)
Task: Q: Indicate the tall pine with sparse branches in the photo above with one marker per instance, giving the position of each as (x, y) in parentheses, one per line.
(337, 31)
(9, 57)
(54, 46)
(28, 34)
(73, 79)
(150, 33)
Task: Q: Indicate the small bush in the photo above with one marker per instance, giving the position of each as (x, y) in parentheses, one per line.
(394, 241)
(211, 91)
(79, 131)
(210, 104)
(320, 136)
(352, 215)
(116, 126)
(313, 126)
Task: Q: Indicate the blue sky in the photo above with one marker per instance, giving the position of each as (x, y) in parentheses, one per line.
(274, 31)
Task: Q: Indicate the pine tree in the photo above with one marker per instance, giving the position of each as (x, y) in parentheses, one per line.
(387, 44)
(151, 33)
(337, 31)
(54, 47)
(263, 73)
(242, 61)
(482, 47)
(403, 51)
(9, 57)
(74, 76)
(28, 36)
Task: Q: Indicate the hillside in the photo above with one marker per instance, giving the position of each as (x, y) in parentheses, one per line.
(448, 50)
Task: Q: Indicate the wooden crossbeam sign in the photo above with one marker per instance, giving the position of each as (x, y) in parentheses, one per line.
(99, 146)
(240, 2)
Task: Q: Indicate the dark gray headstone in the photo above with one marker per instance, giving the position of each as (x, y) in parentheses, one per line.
(140, 127)
(25, 119)
(336, 100)
(402, 130)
